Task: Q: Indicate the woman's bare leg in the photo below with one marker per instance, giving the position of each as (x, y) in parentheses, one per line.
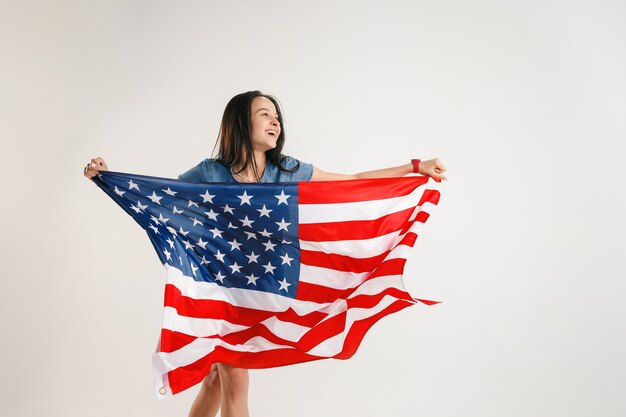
(207, 402)
(234, 391)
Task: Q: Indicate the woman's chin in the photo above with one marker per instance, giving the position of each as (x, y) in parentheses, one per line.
(267, 145)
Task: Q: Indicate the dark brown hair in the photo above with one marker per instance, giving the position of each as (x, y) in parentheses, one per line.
(235, 140)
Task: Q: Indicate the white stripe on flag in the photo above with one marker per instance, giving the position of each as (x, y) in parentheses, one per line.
(366, 248)
(331, 278)
(361, 210)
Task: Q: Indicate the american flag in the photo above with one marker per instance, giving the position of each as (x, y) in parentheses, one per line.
(263, 275)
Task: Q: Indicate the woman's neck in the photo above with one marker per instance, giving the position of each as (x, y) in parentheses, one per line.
(248, 174)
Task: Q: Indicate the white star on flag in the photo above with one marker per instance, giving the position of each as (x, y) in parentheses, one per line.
(206, 197)
(155, 198)
(245, 198)
(284, 285)
(132, 185)
(282, 225)
(264, 211)
(282, 198)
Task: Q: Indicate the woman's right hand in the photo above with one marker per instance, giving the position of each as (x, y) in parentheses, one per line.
(94, 167)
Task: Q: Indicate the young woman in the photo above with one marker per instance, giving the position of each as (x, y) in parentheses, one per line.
(251, 140)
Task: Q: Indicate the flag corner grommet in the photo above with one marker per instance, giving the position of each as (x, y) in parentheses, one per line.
(162, 390)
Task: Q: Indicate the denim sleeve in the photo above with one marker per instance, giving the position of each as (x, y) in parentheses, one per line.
(199, 173)
(304, 172)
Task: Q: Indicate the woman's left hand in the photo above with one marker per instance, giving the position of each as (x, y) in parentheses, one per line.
(433, 168)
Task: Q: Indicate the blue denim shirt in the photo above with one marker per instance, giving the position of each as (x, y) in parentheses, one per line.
(210, 170)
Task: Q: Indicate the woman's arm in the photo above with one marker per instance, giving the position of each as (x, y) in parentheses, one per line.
(433, 168)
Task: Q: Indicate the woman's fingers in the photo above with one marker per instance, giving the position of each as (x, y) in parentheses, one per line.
(89, 172)
(99, 164)
(433, 168)
(94, 167)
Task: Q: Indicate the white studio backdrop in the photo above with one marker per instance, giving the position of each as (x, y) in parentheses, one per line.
(525, 102)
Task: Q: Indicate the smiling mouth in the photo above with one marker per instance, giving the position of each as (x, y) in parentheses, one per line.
(271, 132)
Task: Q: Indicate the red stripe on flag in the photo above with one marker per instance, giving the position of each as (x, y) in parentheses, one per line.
(318, 293)
(327, 192)
(369, 301)
(389, 267)
(430, 196)
(427, 302)
(172, 341)
(354, 229)
(341, 262)
(222, 310)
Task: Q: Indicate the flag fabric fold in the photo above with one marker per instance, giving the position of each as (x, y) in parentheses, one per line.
(271, 274)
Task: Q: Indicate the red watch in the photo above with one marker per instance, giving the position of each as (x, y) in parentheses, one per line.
(416, 165)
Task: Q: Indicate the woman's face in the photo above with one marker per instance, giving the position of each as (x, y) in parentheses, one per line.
(265, 124)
